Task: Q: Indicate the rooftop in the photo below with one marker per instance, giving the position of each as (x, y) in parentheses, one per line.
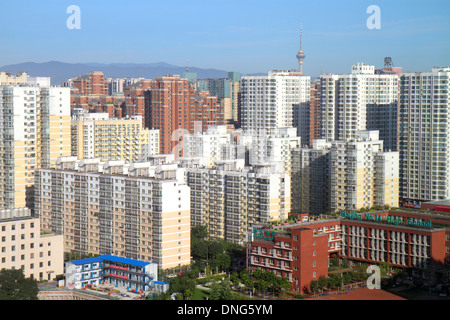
(107, 257)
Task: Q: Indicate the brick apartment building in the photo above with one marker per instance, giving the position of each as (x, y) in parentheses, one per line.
(173, 106)
(90, 94)
(301, 251)
(92, 83)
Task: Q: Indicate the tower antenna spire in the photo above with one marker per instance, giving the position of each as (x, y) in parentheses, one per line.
(301, 34)
(301, 55)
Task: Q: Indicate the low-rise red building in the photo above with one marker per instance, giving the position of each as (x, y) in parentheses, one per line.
(301, 251)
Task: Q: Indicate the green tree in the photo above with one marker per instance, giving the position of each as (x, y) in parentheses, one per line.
(182, 284)
(314, 286)
(334, 280)
(234, 277)
(214, 291)
(221, 291)
(199, 233)
(322, 282)
(222, 261)
(14, 286)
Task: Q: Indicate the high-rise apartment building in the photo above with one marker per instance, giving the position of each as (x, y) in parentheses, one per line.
(209, 147)
(230, 198)
(346, 175)
(173, 107)
(424, 135)
(138, 210)
(272, 101)
(96, 135)
(219, 88)
(309, 117)
(361, 100)
(34, 132)
(362, 175)
(218, 144)
(92, 83)
(235, 89)
(312, 170)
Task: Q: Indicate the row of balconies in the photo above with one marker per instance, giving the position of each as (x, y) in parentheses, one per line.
(267, 264)
(273, 254)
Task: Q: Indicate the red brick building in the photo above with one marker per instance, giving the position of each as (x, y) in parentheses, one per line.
(172, 105)
(92, 83)
(314, 115)
(301, 251)
(129, 103)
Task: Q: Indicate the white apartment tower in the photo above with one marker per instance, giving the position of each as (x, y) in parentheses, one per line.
(361, 100)
(271, 101)
(34, 132)
(209, 147)
(424, 135)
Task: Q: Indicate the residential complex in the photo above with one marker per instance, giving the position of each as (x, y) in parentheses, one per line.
(347, 175)
(424, 136)
(361, 100)
(124, 168)
(362, 175)
(92, 83)
(138, 210)
(34, 132)
(273, 101)
(229, 198)
(96, 135)
(173, 106)
(40, 256)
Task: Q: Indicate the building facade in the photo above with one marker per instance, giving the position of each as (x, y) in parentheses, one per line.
(424, 136)
(346, 175)
(23, 246)
(173, 106)
(312, 170)
(229, 198)
(272, 101)
(359, 101)
(413, 242)
(138, 210)
(92, 83)
(34, 131)
(108, 269)
(96, 135)
(362, 175)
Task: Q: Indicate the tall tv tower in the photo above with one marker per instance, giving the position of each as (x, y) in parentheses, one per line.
(300, 55)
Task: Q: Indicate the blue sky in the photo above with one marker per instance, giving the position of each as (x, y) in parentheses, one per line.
(247, 36)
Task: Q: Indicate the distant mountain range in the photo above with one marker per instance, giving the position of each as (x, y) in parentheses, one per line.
(60, 71)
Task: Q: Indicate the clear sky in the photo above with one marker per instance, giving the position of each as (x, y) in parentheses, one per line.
(246, 35)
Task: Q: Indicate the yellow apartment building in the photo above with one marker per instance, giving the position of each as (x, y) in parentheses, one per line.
(96, 135)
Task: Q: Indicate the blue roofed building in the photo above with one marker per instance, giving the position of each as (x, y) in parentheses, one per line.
(113, 270)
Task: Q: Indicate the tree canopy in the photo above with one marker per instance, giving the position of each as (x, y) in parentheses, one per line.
(14, 286)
